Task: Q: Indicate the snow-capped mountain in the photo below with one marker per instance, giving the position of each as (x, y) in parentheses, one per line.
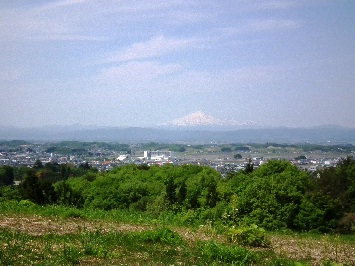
(201, 119)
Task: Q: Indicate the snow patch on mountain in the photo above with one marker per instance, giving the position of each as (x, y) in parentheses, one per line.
(201, 119)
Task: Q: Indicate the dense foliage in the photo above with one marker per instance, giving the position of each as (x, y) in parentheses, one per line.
(6, 175)
(277, 195)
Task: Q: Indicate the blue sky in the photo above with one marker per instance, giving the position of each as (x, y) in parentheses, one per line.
(142, 63)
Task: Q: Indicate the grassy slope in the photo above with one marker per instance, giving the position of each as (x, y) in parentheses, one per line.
(34, 235)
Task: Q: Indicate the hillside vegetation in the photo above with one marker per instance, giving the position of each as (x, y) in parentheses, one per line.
(232, 212)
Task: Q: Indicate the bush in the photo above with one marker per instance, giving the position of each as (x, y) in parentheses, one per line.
(212, 251)
(72, 213)
(26, 203)
(161, 235)
(347, 223)
(252, 236)
(188, 217)
(10, 193)
(157, 206)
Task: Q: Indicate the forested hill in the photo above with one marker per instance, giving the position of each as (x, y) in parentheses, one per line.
(137, 134)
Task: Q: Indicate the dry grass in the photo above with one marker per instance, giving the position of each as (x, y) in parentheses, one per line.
(314, 250)
(38, 225)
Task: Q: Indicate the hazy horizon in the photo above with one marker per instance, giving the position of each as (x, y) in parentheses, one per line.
(278, 63)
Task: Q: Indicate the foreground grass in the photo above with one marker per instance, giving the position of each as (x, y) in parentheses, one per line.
(52, 235)
(160, 246)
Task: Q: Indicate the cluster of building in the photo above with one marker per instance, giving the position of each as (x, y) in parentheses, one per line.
(107, 160)
(17, 159)
(103, 160)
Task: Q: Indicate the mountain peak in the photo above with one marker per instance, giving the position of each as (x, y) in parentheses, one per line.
(199, 118)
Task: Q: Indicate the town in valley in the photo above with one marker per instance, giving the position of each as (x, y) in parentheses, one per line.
(224, 158)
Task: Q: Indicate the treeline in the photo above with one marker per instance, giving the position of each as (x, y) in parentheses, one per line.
(79, 147)
(308, 147)
(63, 147)
(87, 148)
(37, 183)
(277, 195)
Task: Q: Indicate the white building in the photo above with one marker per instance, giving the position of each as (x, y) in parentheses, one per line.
(157, 155)
(122, 157)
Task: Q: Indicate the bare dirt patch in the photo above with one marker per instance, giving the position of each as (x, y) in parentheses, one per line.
(38, 225)
(314, 250)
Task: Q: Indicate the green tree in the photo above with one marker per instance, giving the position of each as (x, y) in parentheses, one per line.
(10, 193)
(181, 194)
(212, 196)
(339, 183)
(67, 196)
(242, 148)
(30, 188)
(249, 167)
(237, 156)
(226, 149)
(6, 175)
(38, 164)
(170, 189)
(270, 195)
(65, 171)
(36, 190)
(318, 212)
(301, 157)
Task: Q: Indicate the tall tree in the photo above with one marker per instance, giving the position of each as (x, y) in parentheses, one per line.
(6, 175)
(170, 188)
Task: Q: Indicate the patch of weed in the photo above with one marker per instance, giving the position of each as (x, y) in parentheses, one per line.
(73, 213)
(252, 236)
(160, 235)
(71, 254)
(212, 251)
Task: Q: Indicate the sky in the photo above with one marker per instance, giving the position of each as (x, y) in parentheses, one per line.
(288, 63)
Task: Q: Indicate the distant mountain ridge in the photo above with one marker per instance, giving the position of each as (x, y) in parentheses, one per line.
(182, 135)
(201, 119)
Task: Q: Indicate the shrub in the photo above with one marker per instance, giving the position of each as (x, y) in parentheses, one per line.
(10, 193)
(71, 254)
(188, 217)
(157, 205)
(142, 204)
(161, 235)
(212, 251)
(347, 223)
(72, 213)
(252, 236)
(26, 203)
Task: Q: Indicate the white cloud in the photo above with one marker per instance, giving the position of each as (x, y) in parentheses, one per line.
(223, 81)
(87, 19)
(134, 72)
(257, 26)
(260, 25)
(63, 3)
(155, 47)
(84, 19)
(142, 5)
(272, 24)
(254, 76)
(62, 20)
(173, 12)
(10, 74)
(189, 17)
(261, 5)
